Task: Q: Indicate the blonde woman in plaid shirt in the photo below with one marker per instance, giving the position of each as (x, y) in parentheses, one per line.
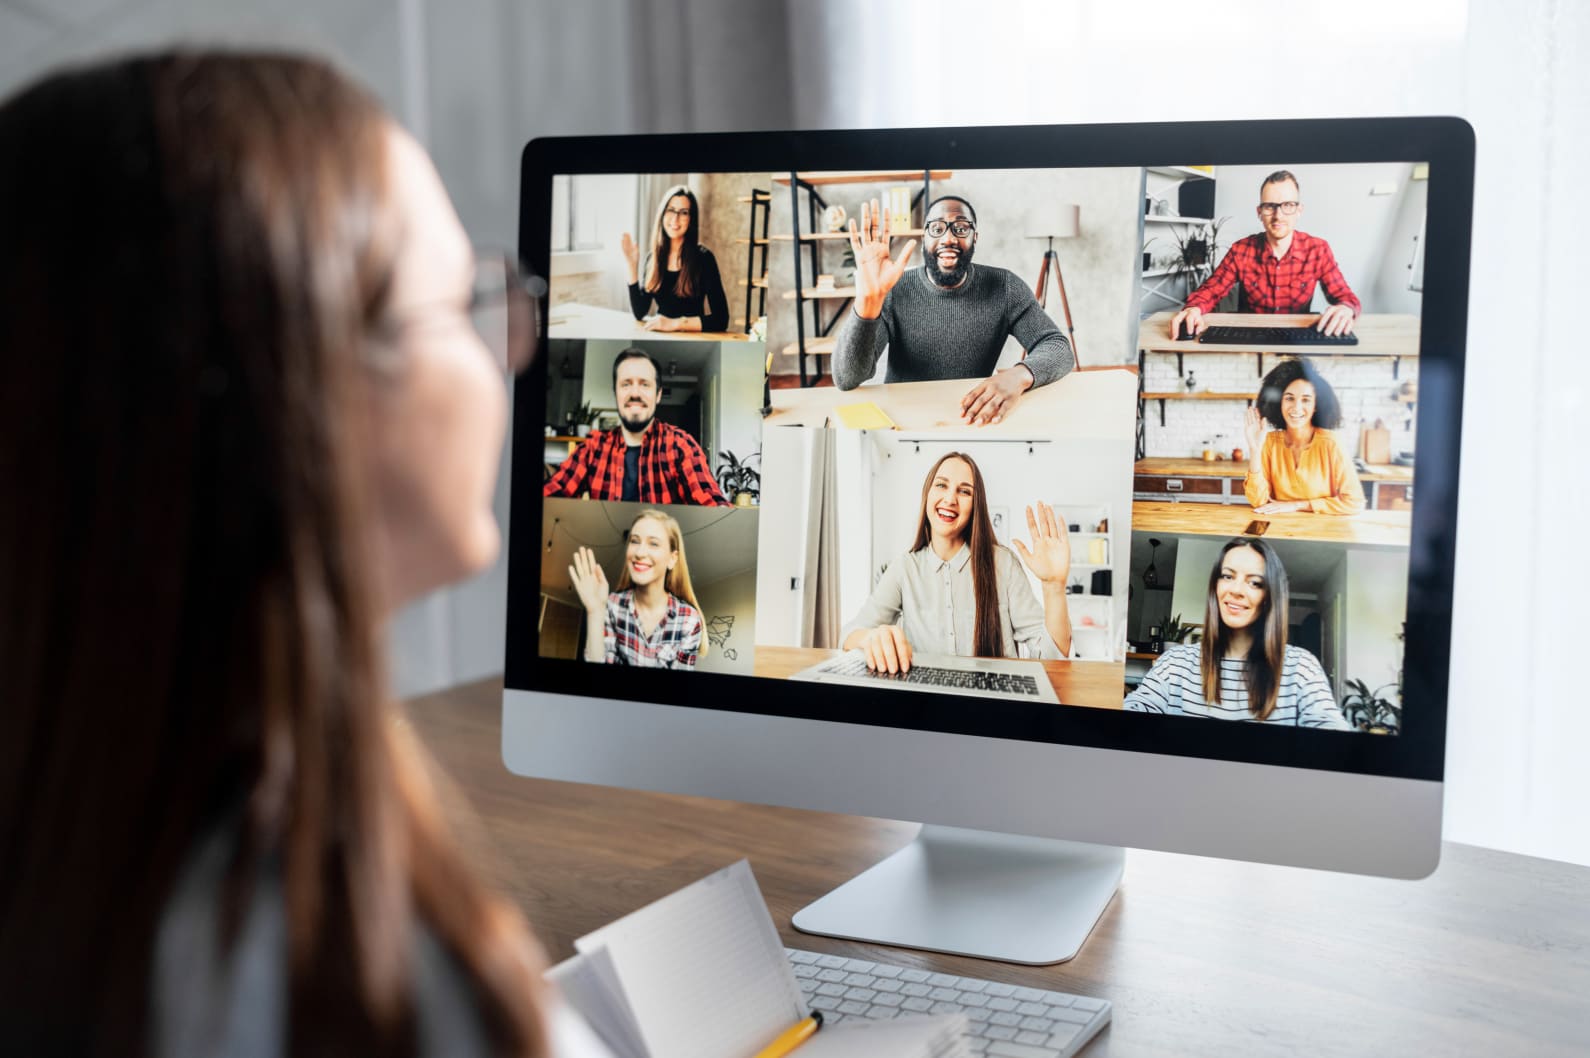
(653, 619)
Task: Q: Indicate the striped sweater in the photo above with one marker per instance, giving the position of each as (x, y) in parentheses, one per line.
(1175, 686)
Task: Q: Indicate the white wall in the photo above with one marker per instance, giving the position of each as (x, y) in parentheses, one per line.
(729, 609)
(1377, 601)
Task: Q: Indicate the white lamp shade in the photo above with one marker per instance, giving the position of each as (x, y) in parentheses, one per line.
(1060, 221)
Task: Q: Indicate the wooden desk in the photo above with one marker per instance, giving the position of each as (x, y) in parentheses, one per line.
(1200, 956)
(1386, 486)
(1379, 334)
(573, 320)
(1096, 684)
(1370, 529)
(1084, 404)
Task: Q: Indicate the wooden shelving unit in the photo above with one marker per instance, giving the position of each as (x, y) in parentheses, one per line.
(818, 340)
(755, 282)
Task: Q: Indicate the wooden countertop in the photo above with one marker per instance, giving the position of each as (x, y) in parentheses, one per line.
(1201, 956)
(1368, 529)
(1096, 684)
(1379, 334)
(1093, 404)
(573, 320)
(1163, 466)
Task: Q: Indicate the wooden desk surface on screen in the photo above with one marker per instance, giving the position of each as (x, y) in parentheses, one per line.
(1090, 404)
(573, 320)
(1379, 334)
(1164, 466)
(1096, 684)
(1368, 529)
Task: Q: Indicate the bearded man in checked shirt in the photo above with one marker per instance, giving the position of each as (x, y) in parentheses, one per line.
(643, 460)
(1278, 268)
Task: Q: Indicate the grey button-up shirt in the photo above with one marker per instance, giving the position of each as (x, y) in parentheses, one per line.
(933, 601)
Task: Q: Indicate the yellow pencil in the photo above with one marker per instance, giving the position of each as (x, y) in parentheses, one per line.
(793, 1036)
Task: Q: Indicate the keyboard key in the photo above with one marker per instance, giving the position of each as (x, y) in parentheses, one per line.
(918, 1004)
(884, 984)
(1008, 1049)
(860, 966)
(831, 975)
(916, 989)
(1004, 1017)
(863, 995)
(826, 1003)
(1031, 1009)
(1000, 1003)
(1063, 1035)
(973, 999)
(1037, 1039)
(1071, 1014)
(802, 956)
(943, 980)
(944, 993)
(1087, 1003)
(877, 1013)
(976, 1044)
(832, 962)
(1059, 999)
(1000, 1032)
(996, 989)
(886, 971)
(1028, 994)
(886, 999)
(1038, 1024)
(850, 1006)
(830, 989)
(945, 1008)
(977, 1015)
(970, 984)
(916, 976)
(805, 970)
(854, 978)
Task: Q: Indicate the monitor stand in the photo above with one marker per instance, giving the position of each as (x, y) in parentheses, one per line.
(972, 892)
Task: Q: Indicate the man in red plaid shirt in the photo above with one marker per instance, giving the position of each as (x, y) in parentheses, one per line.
(643, 460)
(1278, 268)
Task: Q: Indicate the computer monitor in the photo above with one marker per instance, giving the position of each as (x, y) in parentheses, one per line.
(1109, 432)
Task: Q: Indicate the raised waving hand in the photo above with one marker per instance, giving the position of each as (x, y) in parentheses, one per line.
(876, 271)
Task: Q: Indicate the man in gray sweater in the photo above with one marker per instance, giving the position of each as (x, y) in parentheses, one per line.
(948, 319)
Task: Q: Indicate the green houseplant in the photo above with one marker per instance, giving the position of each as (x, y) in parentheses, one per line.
(1369, 710)
(738, 479)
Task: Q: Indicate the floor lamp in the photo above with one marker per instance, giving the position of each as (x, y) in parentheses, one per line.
(1058, 222)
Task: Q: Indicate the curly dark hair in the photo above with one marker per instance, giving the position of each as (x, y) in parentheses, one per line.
(1327, 409)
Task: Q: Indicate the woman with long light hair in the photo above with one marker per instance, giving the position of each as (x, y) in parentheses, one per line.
(652, 619)
(246, 417)
(958, 591)
(1242, 668)
(681, 275)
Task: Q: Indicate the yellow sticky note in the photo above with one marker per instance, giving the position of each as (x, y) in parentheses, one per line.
(863, 415)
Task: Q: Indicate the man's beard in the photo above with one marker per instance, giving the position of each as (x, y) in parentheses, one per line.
(637, 421)
(954, 276)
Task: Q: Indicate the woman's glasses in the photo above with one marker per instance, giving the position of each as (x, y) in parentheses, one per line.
(505, 308)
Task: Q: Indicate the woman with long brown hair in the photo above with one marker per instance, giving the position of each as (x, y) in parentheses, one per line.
(246, 418)
(681, 275)
(957, 591)
(652, 620)
(1242, 668)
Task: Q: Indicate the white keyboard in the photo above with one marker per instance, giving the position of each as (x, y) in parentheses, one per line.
(1003, 1021)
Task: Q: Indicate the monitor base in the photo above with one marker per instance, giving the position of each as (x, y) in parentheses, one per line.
(972, 892)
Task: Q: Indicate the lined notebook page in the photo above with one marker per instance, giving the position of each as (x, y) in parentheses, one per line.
(703, 969)
(590, 986)
(909, 1037)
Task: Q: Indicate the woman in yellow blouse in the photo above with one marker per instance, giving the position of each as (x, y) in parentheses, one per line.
(1298, 466)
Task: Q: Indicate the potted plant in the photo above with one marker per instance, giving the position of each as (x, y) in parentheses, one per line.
(738, 479)
(584, 418)
(1196, 251)
(1176, 631)
(1368, 710)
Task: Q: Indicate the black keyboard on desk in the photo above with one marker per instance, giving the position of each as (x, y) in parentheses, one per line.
(926, 676)
(1273, 337)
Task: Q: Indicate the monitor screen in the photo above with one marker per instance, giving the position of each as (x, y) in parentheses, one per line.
(1104, 438)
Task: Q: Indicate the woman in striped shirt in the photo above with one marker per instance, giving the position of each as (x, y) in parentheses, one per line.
(1243, 668)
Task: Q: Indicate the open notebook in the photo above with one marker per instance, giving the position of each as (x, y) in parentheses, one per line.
(701, 973)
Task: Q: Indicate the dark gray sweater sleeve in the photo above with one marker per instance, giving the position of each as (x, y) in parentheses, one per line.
(858, 347)
(1049, 355)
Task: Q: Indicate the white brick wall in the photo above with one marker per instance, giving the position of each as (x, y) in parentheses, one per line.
(1364, 385)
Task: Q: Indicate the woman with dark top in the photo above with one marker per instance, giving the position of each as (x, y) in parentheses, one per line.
(653, 619)
(681, 274)
(1242, 668)
(247, 416)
